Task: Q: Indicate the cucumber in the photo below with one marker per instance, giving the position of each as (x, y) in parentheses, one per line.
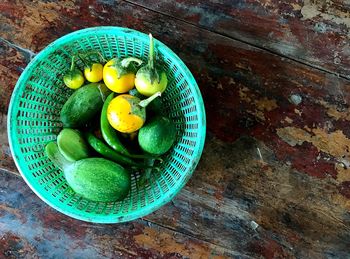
(157, 136)
(72, 145)
(96, 179)
(83, 105)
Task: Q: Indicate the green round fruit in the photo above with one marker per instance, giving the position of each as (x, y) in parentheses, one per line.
(148, 86)
(74, 79)
(157, 136)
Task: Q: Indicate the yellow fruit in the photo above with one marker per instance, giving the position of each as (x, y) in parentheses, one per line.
(73, 79)
(94, 73)
(124, 113)
(115, 79)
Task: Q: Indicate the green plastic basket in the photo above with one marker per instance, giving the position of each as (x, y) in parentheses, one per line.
(33, 121)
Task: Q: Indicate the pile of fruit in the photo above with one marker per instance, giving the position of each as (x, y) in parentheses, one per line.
(106, 135)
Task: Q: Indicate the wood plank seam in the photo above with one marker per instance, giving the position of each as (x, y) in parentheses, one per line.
(30, 54)
(147, 221)
(242, 41)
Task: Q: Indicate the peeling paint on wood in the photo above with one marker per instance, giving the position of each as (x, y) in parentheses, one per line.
(281, 200)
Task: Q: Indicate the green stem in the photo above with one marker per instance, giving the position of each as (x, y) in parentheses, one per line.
(72, 64)
(84, 61)
(151, 52)
(103, 59)
(160, 160)
(147, 174)
(126, 61)
(88, 54)
(147, 101)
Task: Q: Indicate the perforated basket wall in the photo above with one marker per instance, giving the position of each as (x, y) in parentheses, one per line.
(33, 121)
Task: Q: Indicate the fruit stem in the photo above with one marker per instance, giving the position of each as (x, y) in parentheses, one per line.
(72, 64)
(89, 53)
(126, 61)
(147, 101)
(103, 59)
(151, 52)
(143, 156)
(84, 61)
(147, 174)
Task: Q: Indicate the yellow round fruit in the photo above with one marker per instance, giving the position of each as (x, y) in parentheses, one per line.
(116, 82)
(94, 73)
(124, 113)
(74, 79)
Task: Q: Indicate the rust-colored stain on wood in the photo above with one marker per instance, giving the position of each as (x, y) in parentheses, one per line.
(274, 178)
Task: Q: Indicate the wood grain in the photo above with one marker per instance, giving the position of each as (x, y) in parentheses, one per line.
(274, 177)
(31, 229)
(261, 202)
(315, 32)
(12, 63)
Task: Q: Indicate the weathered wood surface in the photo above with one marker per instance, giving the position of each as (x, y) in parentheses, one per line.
(30, 229)
(273, 180)
(311, 31)
(12, 63)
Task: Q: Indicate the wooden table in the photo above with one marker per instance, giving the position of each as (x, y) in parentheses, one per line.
(274, 178)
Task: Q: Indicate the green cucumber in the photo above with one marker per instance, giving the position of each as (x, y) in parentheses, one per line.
(72, 145)
(83, 105)
(96, 179)
(157, 136)
(99, 179)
